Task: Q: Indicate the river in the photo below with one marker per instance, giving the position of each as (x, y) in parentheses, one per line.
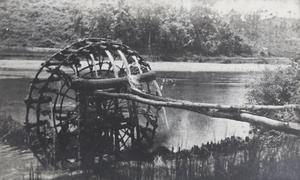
(188, 128)
(211, 83)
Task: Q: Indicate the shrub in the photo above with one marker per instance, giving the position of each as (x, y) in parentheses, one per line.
(11, 131)
(276, 87)
(227, 61)
(167, 58)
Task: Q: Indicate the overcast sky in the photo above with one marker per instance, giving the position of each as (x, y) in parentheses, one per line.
(281, 8)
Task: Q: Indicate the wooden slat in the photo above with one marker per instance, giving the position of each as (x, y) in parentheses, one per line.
(32, 125)
(43, 99)
(65, 118)
(93, 84)
(42, 80)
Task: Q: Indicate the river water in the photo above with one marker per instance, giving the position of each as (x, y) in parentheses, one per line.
(188, 128)
(224, 84)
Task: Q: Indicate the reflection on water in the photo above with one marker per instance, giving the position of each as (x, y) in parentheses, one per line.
(13, 93)
(213, 87)
(189, 128)
(15, 163)
(186, 128)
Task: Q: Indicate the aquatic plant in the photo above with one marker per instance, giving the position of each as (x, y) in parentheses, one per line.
(11, 131)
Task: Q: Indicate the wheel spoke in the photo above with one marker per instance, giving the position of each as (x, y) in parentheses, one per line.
(62, 126)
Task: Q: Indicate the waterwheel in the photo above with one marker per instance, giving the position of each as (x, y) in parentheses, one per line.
(69, 125)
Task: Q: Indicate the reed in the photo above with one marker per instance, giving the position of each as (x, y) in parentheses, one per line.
(275, 156)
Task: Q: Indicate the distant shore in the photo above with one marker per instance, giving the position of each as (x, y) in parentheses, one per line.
(38, 53)
(28, 68)
(211, 67)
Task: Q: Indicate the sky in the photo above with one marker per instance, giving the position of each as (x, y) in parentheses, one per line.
(280, 8)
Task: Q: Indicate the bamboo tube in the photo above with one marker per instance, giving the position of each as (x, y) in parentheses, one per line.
(168, 102)
(113, 63)
(218, 111)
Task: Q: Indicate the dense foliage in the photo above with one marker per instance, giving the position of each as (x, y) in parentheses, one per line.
(265, 30)
(278, 87)
(149, 27)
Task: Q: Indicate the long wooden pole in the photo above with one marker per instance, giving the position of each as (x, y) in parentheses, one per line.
(168, 102)
(218, 111)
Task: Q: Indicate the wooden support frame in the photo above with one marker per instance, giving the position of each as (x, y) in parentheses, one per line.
(93, 84)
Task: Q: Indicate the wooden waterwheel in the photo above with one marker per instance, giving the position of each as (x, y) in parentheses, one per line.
(69, 125)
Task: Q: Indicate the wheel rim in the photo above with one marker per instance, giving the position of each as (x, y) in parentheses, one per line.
(53, 106)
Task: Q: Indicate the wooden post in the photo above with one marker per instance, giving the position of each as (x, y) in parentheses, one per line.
(116, 129)
(82, 105)
(136, 125)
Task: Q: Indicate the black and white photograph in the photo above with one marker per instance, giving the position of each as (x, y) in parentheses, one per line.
(149, 89)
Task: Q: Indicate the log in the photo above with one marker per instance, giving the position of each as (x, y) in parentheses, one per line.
(93, 84)
(162, 101)
(288, 127)
(217, 111)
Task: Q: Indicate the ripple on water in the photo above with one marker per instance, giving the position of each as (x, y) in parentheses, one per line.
(15, 163)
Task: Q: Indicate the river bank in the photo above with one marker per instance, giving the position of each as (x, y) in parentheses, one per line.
(28, 68)
(38, 53)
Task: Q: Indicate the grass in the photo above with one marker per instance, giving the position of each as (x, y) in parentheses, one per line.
(233, 158)
(272, 157)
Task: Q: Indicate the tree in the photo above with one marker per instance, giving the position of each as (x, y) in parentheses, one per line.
(203, 20)
(176, 31)
(252, 22)
(101, 20)
(148, 19)
(123, 25)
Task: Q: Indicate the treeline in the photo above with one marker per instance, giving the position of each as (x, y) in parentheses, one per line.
(264, 30)
(150, 27)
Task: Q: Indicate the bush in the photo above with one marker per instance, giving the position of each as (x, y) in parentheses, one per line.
(48, 43)
(227, 61)
(277, 87)
(167, 58)
(11, 131)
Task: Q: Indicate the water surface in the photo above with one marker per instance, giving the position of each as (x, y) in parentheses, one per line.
(186, 128)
